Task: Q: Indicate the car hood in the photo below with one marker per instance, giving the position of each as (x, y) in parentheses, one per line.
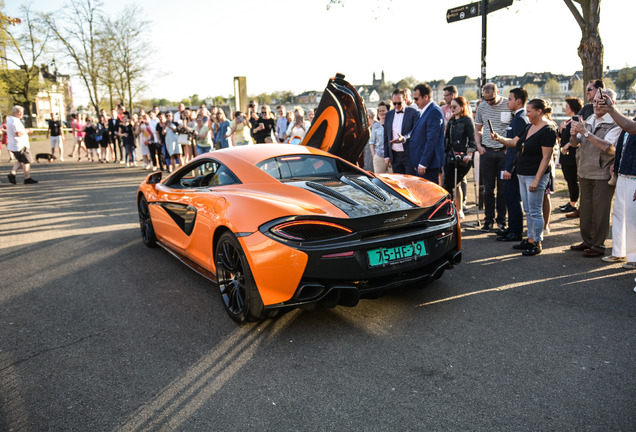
(340, 125)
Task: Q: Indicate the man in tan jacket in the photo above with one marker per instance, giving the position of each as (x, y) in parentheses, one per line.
(596, 138)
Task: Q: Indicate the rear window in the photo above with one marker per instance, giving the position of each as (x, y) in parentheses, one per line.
(301, 166)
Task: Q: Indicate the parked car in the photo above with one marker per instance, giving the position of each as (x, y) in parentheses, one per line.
(279, 225)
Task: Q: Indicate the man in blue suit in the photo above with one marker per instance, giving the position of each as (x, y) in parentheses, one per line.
(426, 148)
(398, 122)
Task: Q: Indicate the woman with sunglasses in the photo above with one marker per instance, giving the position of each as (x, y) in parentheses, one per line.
(265, 126)
(459, 149)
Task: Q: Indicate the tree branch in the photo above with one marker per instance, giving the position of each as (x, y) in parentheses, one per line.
(577, 15)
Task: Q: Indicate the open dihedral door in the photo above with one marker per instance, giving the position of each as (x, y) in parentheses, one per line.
(340, 125)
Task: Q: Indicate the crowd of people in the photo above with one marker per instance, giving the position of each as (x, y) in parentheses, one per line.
(167, 140)
(516, 143)
(519, 146)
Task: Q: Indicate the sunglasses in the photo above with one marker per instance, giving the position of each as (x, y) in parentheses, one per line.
(591, 88)
(416, 98)
(398, 104)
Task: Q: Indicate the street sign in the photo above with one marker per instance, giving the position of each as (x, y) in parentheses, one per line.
(474, 9)
(463, 12)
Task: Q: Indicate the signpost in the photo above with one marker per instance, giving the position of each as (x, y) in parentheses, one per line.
(474, 9)
(471, 10)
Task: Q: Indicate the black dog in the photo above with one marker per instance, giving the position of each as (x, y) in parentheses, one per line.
(47, 156)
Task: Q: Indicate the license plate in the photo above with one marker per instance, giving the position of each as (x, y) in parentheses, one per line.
(397, 254)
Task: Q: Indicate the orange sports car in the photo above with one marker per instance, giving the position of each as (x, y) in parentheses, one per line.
(282, 225)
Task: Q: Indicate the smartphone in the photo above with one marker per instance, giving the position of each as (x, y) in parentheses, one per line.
(490, 126)
(576, 118)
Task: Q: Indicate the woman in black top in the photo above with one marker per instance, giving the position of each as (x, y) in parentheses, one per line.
(101, 136)
(90, 139)
(568, 154)
(127, 134)
(459, 143)
(534, 151)
(265, 126)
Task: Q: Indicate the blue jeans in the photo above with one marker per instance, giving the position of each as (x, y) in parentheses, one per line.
(533, 205)
(201, 150)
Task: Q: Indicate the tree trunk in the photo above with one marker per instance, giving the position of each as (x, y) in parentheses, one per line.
(591, 48)
(591, 54)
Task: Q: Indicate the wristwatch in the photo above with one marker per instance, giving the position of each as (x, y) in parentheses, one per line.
(586, 134)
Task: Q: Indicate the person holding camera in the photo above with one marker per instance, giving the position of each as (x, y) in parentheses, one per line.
(240, 130)
(203, 136)
(459, 149)
(596, 139)
(222, 130)
(266, 126)
(253, 117)
(156, 148)
(567, 159)
(623, 220)
(534, 152)
(146, 137)
(297, 130)
(173, 148)
(517, 99)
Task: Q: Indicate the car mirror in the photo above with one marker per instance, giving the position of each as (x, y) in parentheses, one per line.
(154, 178)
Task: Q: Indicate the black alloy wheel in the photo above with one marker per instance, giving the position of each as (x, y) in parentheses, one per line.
(145, 223)
(237, 286)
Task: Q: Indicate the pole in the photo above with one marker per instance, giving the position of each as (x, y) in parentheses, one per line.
(484, 15)
(482, 82)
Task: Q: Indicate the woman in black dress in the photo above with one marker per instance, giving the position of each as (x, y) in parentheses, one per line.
(568, 156)
(459, 148)
(90, 139)
(534, 151)
(127, 134)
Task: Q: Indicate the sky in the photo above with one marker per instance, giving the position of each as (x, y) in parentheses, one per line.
(297, 45)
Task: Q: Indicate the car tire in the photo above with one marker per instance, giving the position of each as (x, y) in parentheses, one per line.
(145, 223)
(237, 287)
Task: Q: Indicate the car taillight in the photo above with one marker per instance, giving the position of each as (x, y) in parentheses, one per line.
(443, 211)
(306, 230)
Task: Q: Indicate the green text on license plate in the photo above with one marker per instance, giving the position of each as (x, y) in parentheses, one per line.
(390, 255)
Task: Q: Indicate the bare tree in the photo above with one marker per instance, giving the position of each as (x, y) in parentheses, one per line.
(128, 51)
(110, 76)
(25, 49)
(77, 30)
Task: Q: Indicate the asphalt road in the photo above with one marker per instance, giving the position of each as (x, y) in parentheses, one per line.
(100, 333)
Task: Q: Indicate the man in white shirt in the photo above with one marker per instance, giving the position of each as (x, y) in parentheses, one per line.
(18, 144)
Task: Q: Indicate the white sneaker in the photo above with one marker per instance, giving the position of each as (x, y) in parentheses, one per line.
(613, 259)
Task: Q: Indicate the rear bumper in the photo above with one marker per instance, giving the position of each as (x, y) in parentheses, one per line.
(348, 292)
